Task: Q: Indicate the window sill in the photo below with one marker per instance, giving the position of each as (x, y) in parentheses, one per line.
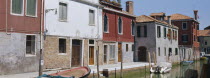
(106, 32)
(62, 20)
(111, 59)
(31, 16)
(16, 14)
(120, 33)
(30, 55)
(62, 54)
(91, 24)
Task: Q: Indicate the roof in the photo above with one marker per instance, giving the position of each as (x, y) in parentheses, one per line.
(203, 32)
(144, 18)
(157, 14)
(179, 17)
(121, 12)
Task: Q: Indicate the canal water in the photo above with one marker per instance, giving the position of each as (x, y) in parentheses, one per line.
(178, 71)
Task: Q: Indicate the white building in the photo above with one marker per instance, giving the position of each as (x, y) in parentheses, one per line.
(72, 28)
(156, 36)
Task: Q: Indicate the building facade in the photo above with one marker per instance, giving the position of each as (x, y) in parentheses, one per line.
(188, 35)
(118, 25)
(20, 25)
(157, 37)
(73, 33)
(204, 39)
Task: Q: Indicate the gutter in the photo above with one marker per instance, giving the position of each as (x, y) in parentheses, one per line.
(88, 2)
(109, 9)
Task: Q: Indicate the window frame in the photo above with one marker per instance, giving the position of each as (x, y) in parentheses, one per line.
(121, 26)
(62, 53)
(27, 10)
(94, 17)
(183, 26)
(159, 32)
(61, 20)
(35, 46)
(107, 24)
(187, 37)
(132, 28)
(22, 11)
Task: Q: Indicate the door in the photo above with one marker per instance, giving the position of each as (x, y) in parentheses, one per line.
(119, 52)
(142, 54)
(91, 55)
(76, 53)
(105, 53)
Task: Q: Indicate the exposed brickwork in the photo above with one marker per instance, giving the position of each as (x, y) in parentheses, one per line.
(52, 57)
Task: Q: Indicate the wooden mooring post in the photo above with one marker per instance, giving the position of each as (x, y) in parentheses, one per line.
(149, 57)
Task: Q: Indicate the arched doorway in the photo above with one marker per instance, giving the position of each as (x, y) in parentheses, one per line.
(142, 54)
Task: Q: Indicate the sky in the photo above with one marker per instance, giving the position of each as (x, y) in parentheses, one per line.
(185, 7)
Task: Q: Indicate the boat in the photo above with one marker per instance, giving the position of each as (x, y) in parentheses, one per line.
(163, 67)
(80, 72)
(185, 63)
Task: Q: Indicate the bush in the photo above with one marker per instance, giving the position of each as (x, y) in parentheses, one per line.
(203, 58)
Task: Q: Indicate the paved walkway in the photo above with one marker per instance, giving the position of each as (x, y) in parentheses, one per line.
(110, 67)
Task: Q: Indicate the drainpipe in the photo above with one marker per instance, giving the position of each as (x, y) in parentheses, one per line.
(6, 18)
(41, 62)
(97, 43)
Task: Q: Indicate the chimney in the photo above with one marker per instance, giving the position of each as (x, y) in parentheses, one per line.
(129, 7)
(196, 14)
(119, 1)
(169, 19)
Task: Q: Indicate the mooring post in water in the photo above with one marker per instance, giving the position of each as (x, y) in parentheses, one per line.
(145, 71)
(93, 75)
(115, 73)
(149, 59)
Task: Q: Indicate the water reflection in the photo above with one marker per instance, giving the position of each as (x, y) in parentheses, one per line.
(179, 71)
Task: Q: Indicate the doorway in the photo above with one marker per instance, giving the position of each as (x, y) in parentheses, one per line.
(105, 53)
(119, 52)
(91, 55)
(142, 54)
(76, 53)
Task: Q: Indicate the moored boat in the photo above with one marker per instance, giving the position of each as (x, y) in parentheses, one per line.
(185, 63)
(163, 67)
(80, 72)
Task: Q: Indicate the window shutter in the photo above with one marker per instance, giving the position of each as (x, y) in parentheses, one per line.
(138, 31)
(145, 31)
(17, 6)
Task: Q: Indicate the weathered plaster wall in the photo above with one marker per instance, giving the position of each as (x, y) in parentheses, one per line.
(127, 55)
(148, 42)
(52, 57)
(77, 24)
(13, 58)
(202, 44)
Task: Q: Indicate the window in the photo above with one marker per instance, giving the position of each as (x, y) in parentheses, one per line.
(206, 43)
(165, 33)
(106, 29)
(169, 34)
(176, 51)
(126, 47)
(132, 47)
(132, 27)
(185, 38)
(62, 45)
(30, 44)
(91, 41)
(142, 31)
(176, 35)
(170, 52)
(91, 17)
(62, 12)
(173, 34)
(112, 52)
(158, 31)
(195, 38)
(17, 6)
(119, 25)
(165, 51)
(105, 53)
(184, 26)
(159, 51)
(31, 7)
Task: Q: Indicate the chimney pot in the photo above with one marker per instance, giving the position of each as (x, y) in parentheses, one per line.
(129, 7)
(196, 14)
(169, 19)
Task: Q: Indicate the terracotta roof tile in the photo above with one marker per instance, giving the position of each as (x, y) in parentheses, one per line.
(145, 18)
(157, 14)
(179, 17)
(203, 32)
